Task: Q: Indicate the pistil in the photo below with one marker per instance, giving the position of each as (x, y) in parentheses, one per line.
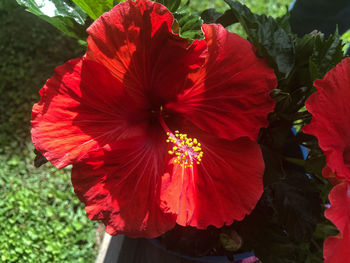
(187, 151)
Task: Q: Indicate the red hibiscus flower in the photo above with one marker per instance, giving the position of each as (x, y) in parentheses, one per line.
(330, 122)
(159, 131)
(336, 248)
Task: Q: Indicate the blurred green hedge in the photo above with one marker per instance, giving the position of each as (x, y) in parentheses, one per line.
(41, 219)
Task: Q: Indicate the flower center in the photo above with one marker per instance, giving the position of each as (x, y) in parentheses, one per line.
(187, 151)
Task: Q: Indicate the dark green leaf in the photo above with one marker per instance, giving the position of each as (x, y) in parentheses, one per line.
(283, 22)
(172, 5)
(211, 16)
(68, 19)
(324, 230)
(315, 161)
(262, 233)
(283, 100)
(326, 55)
(94, 8)
(301, 75)
(298, 205)
(304, 47)
(227, 19)
(273, 166)
(272, 37)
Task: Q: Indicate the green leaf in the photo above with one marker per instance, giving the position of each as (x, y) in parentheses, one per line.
(67, 18)
(315, 161)
(273, 166)
(172, 5)
(297, 201)
(94, 8)
(262, 233)
(272, 37)
(189, 25)
(326, 55)
(211, 16)
(301, 74)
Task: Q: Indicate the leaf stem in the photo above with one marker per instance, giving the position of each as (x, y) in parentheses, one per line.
(296, 161)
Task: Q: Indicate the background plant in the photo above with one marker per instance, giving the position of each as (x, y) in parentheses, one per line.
(41, 220)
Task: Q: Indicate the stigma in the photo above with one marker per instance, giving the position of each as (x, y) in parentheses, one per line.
(187, 151)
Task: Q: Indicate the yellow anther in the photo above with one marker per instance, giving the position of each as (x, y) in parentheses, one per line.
(187, 151)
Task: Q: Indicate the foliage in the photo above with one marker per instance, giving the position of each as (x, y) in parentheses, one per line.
(272, 37)
(268, 7)
(63, 15)
(346, 39)
(286, 233)
(187, 24)
(94, 8)
(70, 16)
(41, 220)
(326, 55)
(29, 52)
(172, 5)
(283, 226)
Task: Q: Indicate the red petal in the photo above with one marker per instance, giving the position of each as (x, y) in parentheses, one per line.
(330, 122)
(224, 187)
(339, 212)
(81, 109)
(336, 249)
(122, 187)
(135, 42)
(229, 95)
